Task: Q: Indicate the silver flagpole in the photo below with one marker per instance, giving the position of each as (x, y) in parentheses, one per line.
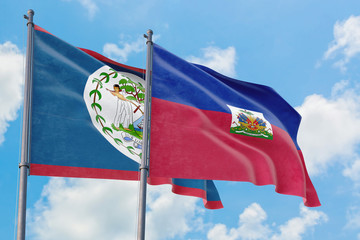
(24, 164)
(144, 167)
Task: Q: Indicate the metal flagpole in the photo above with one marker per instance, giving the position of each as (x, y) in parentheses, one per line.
(144, 167)
(24, 164)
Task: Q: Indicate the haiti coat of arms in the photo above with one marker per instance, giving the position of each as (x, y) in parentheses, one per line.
(250, 123)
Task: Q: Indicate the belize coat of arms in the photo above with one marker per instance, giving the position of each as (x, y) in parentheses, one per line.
(250, 123)
(115, 102)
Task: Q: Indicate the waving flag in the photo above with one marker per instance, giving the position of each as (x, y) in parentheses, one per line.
(209, 126)
(87, 118)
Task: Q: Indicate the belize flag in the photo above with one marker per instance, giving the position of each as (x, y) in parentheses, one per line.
(208, 126)
(87, 118)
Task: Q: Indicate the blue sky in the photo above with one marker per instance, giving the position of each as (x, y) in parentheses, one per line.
(307, 50)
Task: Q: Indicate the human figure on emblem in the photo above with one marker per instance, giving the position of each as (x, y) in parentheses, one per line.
(124, 114)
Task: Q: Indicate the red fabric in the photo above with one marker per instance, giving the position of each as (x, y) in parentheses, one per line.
(105, 59)
(187, 191)
(187, 142)
(36, 27)
(77, 172)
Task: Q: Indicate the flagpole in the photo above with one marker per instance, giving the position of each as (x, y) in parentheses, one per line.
(144, 167)
(24, 164)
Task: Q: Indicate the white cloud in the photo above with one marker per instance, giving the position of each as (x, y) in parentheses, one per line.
(339, 87)
(353, 172)
(346, 41)
(116, 53)
(90, 6)
(353, 218)
(221, 60)
(252, 226)
(85, 209)
(11, 81)
(170, 215)
(298, 226)
(76, 209)
(220, 232)
(251, 223)
(329, 130)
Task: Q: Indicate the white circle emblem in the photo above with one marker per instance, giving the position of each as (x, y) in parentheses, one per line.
(115, 101)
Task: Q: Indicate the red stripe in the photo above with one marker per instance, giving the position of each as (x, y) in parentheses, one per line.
(181, 190)
(98, 56)
(105, 59)
(187, 142)
(197, 193)
(81, 172)
(36, 27)
(213, 204)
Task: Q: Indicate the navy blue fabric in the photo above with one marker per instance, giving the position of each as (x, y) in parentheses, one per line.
(177, 80)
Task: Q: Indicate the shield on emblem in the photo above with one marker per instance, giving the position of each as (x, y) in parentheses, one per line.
(250, 123)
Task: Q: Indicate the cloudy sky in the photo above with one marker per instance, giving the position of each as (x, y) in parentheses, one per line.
(308, 51)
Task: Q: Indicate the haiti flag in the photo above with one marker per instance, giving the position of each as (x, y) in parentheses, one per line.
(87, 118)
(208, 126)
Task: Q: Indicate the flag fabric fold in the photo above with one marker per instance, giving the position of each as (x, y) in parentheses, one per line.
(87, 118)
(209, 126)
